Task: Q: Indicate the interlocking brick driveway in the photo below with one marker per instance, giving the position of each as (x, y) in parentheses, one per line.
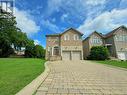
(83, 78)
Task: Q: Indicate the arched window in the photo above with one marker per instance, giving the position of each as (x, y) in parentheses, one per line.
(56, 50)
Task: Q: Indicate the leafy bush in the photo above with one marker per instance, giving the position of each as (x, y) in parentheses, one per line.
(98, 53)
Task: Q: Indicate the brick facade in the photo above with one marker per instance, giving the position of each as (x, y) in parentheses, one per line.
(70, 44)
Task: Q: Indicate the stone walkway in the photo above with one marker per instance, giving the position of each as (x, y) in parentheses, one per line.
(83, 78)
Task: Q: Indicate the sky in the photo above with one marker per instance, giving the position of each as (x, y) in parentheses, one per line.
(38, 18)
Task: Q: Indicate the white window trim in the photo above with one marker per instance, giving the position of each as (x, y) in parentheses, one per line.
(76, 37)
(66, 37)
(122, 38)
(96, 40)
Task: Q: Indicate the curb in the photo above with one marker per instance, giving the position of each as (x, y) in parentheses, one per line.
(32, 87)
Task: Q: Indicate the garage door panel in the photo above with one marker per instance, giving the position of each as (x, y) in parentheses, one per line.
(126, 55)
(76, 55)
(122, 55)
(66, 55)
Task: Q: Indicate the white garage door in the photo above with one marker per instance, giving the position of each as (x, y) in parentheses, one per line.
(76, 55)
(126, 55)
(122, 55)
(66, 55)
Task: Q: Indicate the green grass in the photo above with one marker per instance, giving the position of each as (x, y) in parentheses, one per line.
(16, 73)
(122, 64)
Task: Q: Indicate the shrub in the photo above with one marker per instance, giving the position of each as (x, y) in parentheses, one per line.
(99, 53)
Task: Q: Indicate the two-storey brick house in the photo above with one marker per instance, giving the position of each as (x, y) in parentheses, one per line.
(94, 39)
(115, 41)
(69, 45)
(64, 46)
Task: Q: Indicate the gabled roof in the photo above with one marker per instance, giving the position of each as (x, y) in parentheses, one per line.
(53, 35)
(101, 35)
(113, 31)
(73, 30)
(59, 34)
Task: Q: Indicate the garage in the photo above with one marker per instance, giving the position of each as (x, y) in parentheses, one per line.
(76, 55)
(122, 55)
(125, 55)
(66, 55)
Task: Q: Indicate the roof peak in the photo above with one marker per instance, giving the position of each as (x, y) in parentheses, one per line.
(72, 29)
(113, 31)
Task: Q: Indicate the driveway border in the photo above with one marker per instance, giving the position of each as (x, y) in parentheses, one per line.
(32, 87)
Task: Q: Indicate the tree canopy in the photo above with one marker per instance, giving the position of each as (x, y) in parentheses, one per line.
(10, 35)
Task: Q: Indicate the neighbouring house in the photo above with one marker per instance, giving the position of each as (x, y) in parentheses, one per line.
(115, 41)
(64, 46)
(18, 51)
(94, 39)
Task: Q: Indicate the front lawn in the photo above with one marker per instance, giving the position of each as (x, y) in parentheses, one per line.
(16, 73)
(122, 64)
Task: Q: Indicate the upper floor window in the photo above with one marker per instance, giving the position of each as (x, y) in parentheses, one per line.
(96, 40)
(66, 37)
(121, 38)
(76, 37)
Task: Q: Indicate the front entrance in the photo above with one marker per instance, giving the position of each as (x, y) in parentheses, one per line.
(110, 50)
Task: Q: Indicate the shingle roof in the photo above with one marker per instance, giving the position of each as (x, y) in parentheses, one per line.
(59, 34)
(72, 29)
(101, 35)
(113, 31)
(53, 35)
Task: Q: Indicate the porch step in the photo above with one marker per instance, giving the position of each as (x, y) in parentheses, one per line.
(55, 58)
